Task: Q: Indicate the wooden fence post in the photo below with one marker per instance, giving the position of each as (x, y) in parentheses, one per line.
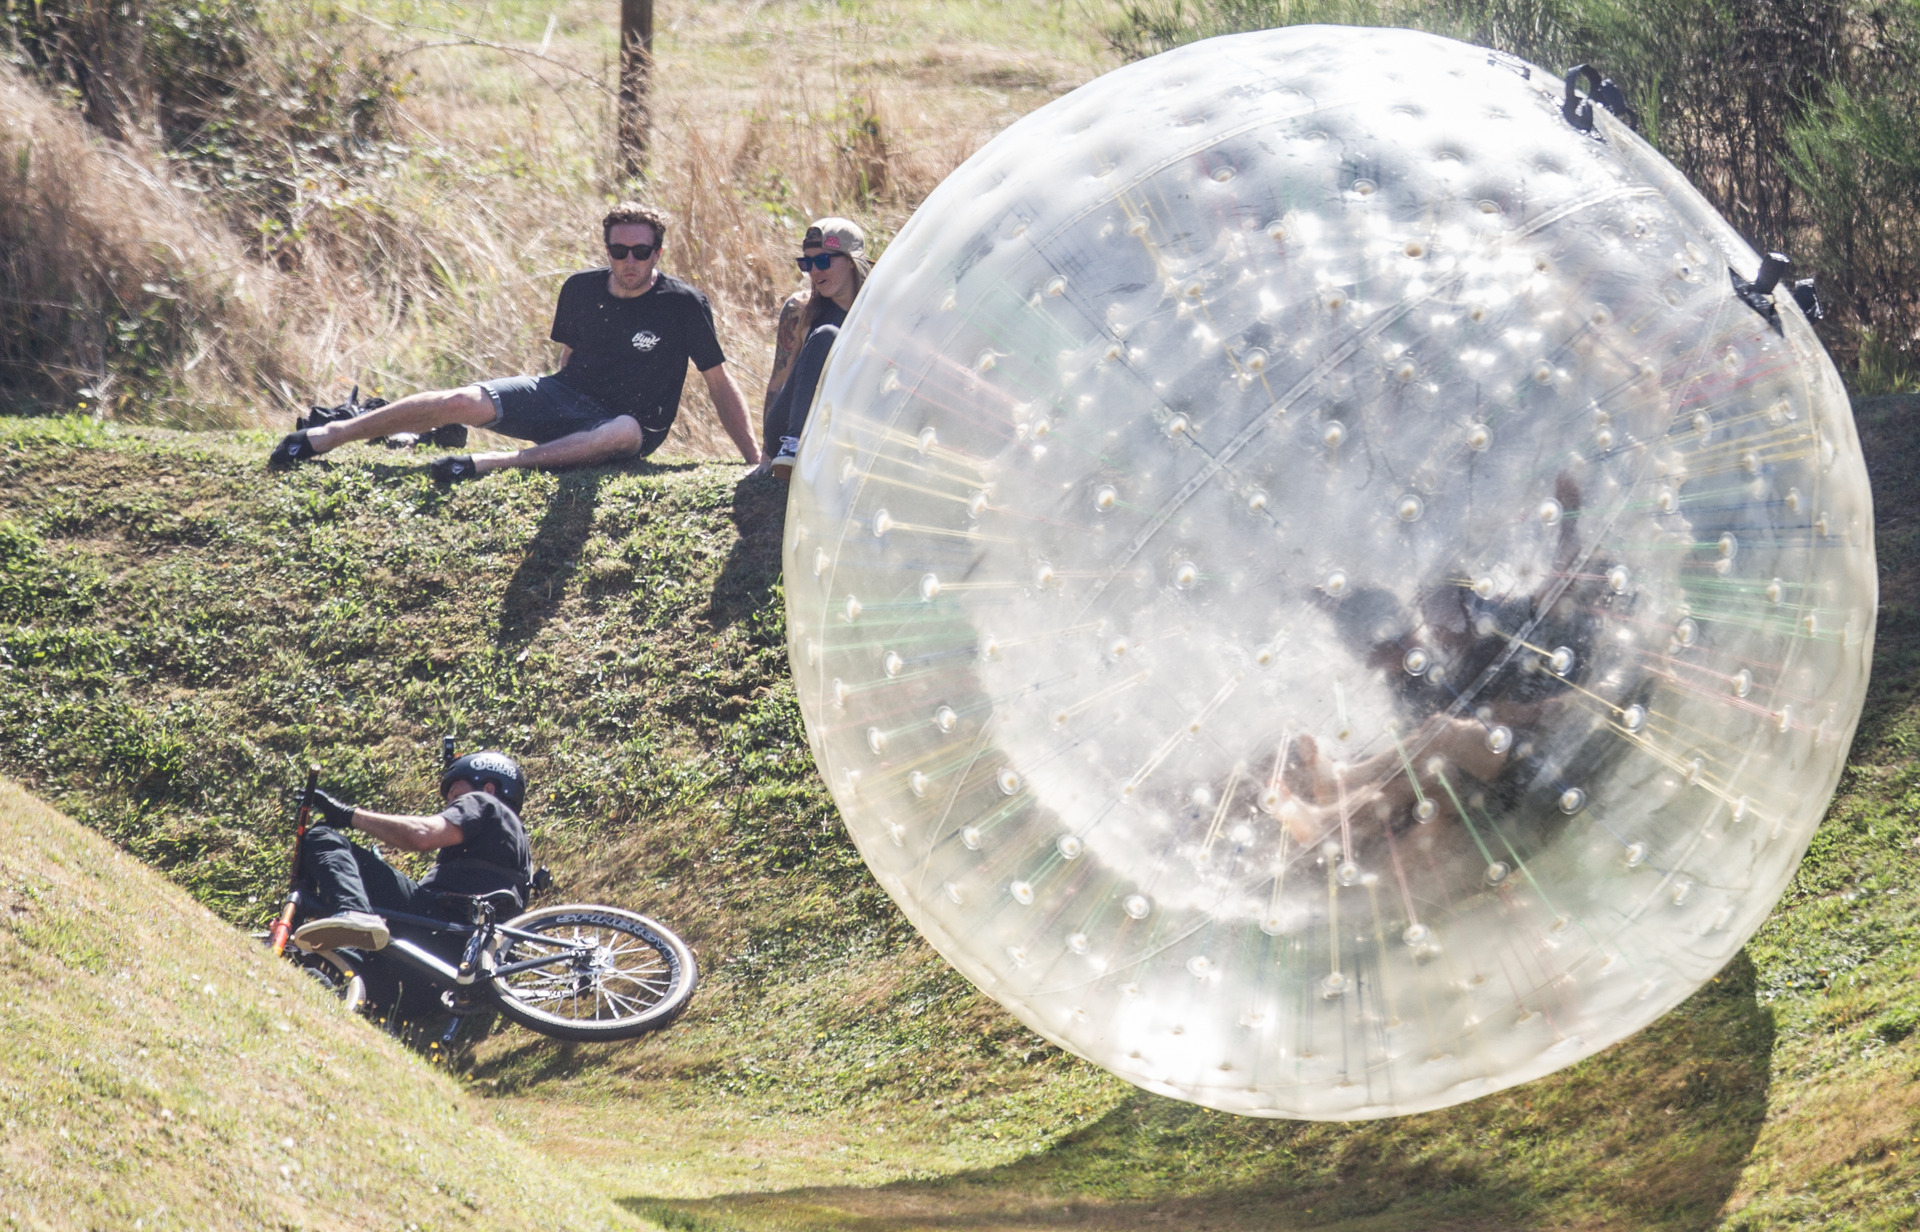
(636, 67)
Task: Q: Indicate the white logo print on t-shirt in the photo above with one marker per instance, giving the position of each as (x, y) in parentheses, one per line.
(645, 340)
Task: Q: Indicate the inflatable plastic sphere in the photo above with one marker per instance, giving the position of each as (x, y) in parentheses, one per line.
(1311, 588)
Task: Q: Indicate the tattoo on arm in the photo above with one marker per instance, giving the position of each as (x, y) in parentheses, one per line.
(786, 343)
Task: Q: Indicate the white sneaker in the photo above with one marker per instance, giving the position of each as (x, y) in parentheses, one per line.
(350, 930)
(782, 467)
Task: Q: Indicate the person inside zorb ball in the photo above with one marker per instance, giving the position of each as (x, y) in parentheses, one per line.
(1312, 585)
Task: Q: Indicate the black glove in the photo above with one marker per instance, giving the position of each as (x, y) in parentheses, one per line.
(335, 813)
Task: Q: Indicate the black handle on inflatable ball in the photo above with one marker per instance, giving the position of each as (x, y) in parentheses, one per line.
(1577, 108)
(1772, 267)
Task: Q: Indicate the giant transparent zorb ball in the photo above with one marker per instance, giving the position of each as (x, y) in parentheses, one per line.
(1309, 587)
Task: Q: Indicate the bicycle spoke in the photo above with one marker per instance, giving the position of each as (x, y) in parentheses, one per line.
(646, 979)
(624, 1005)
(655, 991)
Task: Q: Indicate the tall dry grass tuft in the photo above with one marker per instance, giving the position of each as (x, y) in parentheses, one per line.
(742, 192)
(115, 283)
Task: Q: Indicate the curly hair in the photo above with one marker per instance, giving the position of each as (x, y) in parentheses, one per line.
(630, 213)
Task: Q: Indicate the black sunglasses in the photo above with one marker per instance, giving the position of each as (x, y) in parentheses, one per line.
(640, 251)
(818, 261)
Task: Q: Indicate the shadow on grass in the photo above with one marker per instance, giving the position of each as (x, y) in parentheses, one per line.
(753, 563)
(1652, 1134)
(1892, 448)
(552, 557)
(532, 1063)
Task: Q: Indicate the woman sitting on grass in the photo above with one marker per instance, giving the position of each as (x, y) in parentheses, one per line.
(833, 255)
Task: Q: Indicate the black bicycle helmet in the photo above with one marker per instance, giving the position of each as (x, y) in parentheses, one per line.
(489, 766)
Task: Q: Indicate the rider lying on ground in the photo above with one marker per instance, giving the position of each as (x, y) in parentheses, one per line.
(626, 333)
(481, 844)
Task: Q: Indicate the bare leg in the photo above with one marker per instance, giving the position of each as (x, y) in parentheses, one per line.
(615, 438)
(414, 413)
(1307, 800)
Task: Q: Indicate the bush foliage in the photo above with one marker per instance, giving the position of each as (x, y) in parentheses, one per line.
(244, 109)
(133, 218)
(1794, 117)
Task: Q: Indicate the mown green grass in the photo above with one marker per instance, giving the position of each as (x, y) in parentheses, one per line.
(186, 633)
(181, 632)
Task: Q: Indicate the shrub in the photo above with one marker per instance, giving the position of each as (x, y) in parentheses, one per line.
(1786, 114)
(122, 293)
(116, 291)
(1857, 160)
(210, 84)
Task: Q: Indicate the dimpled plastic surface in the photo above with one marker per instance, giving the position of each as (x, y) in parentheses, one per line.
(1308, 586)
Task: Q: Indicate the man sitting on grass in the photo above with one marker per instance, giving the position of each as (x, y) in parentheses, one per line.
(626, 334)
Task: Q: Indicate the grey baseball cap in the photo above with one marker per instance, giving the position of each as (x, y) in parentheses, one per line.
(839, 235)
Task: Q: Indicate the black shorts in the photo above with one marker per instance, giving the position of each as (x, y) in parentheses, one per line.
(542, 409)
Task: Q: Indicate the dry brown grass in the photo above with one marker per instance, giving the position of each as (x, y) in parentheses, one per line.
(107, 268)
(441, 268)
(714, 181)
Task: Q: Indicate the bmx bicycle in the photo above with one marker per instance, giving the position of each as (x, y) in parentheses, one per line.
(575, 971)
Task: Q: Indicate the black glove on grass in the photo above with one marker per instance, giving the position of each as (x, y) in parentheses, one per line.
(335, 813)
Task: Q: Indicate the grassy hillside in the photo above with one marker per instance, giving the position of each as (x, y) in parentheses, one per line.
(180, 632)
(158, 1070)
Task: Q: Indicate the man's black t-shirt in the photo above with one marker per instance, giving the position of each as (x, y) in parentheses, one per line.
(494, 855)
(630, 355)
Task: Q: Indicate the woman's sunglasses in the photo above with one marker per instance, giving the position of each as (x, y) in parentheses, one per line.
(818, 261)
(640, 251)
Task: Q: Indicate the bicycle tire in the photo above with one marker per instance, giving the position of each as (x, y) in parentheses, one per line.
(333, 973)
(638, 977)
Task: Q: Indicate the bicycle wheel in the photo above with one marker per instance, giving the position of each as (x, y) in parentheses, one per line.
(333, 973)
(596, 973)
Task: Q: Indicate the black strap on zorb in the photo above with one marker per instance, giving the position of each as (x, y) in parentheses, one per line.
(1757, 292)
(1807, 296)
(1578, 108)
